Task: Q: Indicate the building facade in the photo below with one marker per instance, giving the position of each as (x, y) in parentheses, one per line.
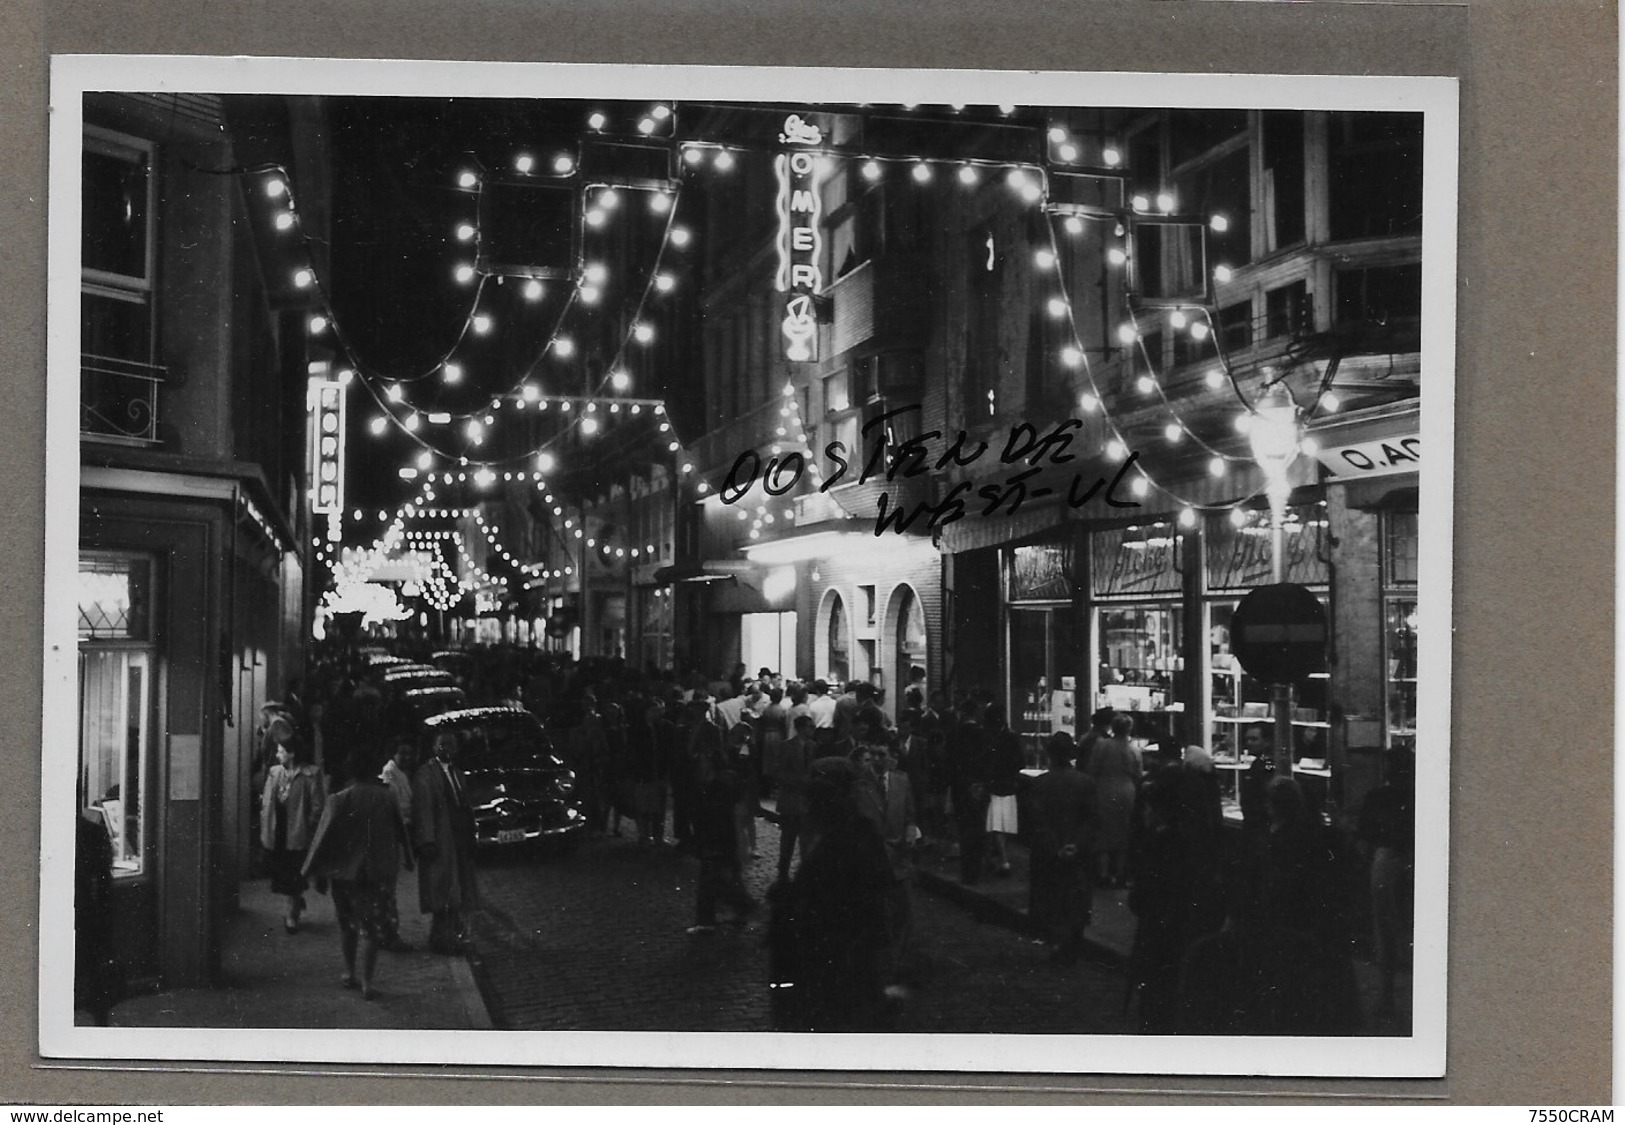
(191, 579)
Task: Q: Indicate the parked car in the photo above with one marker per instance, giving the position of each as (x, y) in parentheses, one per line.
(521, 792)
(405, 713)
(410, 676)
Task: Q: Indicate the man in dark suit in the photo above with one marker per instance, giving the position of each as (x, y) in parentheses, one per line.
(443, 834)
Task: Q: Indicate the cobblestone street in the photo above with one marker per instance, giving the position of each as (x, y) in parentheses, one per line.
(595, 941)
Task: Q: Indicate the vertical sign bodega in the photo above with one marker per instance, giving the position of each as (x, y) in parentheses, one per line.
(326, 400)
(800, 242)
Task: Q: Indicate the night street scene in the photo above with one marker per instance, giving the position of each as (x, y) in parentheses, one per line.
(747, 565)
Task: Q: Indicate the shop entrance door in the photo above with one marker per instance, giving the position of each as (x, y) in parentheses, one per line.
(768, 640)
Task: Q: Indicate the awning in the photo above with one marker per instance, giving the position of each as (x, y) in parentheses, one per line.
(713, 571)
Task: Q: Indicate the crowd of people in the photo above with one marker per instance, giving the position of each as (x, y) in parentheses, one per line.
(1238, 931)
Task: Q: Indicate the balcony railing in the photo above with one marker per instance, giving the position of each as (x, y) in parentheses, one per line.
(118, 400)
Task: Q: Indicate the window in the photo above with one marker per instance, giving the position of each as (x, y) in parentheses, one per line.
(1283, 203)
(1375, 174)
(1399, 533)
(868, 593)
(1236, 326)
(838, 642)
(1221, 187)
(116, 667)
(1287, 311)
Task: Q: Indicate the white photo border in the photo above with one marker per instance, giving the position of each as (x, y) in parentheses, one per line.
(1420, 1055)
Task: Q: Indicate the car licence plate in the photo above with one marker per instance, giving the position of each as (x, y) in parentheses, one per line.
(511, 836)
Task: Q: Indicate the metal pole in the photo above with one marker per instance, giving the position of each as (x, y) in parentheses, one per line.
(1282, 696)
(586, 592)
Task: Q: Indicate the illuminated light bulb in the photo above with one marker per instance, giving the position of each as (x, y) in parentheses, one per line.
(1329, 402)
(563, 164)
(345, 375)
(754, 534)
(533, 290)
(1215, 378)
(1308, 446)
(464, 273)
(703, 487)
(672, 447)
(634, 552)
(1127, 334)
(465, 232)
(1073, 225)
(688, 466)
(614, 408)
(1056, 134)
(589, 426)
(1140, 486)
(590, 294)
(692, 155)
(635, 409)
(664, 282)
(1071, 356)
(1199, 330)
(660, 202)
(564, 347)
(452, 372)
(1067, 152)
(379, 424)
(1116, 450)
(1140, 203)
(482, 324)
(968, 175)
(1088, 403)
(1146, 384)
(1215, 467)
(425, 459)
(723, 161)
(642, 333)
(768, 518)
(1044, 259)
(596, 218)
(284, 220)
(523, 163)
(318, 324)
(490, 421)
(1187, 517)
(1057, 307)
(597, 121)
(921, 172)
(303, 278)
(1221, 274)
(780, 431)
(1177, 319)
(1031, 192)
(679, 236)
(1016, 178)
(620, 380)
(1219, 223)
(276, 187)
(592, 542)
(1112, 157)
(744, 515)
(565, 404)
(467, 179)
(1007, 110)
(1165, 202)
(646, 126)
(1174, 432)
(394, 394)
(1243, 422)
(412, 423)
(1116, 255)
(609, 199)
(665, 427)
(871, 170)
(1238, 517)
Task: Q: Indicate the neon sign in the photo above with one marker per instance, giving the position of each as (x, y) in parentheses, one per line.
(326, 404)
(800, 240)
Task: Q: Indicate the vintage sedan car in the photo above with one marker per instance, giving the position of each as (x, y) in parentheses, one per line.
(404, 714)
(521, 792)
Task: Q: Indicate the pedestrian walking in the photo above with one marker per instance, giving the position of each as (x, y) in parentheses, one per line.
(1004, 775)
(795, 759)
(443, 836)
(1065, 820)
(397, 778)
(289, 805)
(356, 853)
(1114, 767)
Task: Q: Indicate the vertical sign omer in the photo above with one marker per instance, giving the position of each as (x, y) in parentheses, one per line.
(800, 242)
(325, 400)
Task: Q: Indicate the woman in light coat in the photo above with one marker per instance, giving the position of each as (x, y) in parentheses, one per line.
(290, 804)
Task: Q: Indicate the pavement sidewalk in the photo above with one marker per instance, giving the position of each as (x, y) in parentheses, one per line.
(270, 978)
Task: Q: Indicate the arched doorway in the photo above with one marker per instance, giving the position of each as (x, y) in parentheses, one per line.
(832, 655)
(908, 646)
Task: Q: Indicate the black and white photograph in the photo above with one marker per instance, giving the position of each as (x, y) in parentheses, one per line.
(779, 568)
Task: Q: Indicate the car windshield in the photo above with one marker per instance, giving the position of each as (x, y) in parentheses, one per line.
(501, 743)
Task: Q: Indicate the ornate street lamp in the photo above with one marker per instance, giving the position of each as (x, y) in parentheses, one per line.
(1275, 435)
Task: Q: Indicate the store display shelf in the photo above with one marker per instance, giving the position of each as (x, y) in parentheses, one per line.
(1239, 720)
